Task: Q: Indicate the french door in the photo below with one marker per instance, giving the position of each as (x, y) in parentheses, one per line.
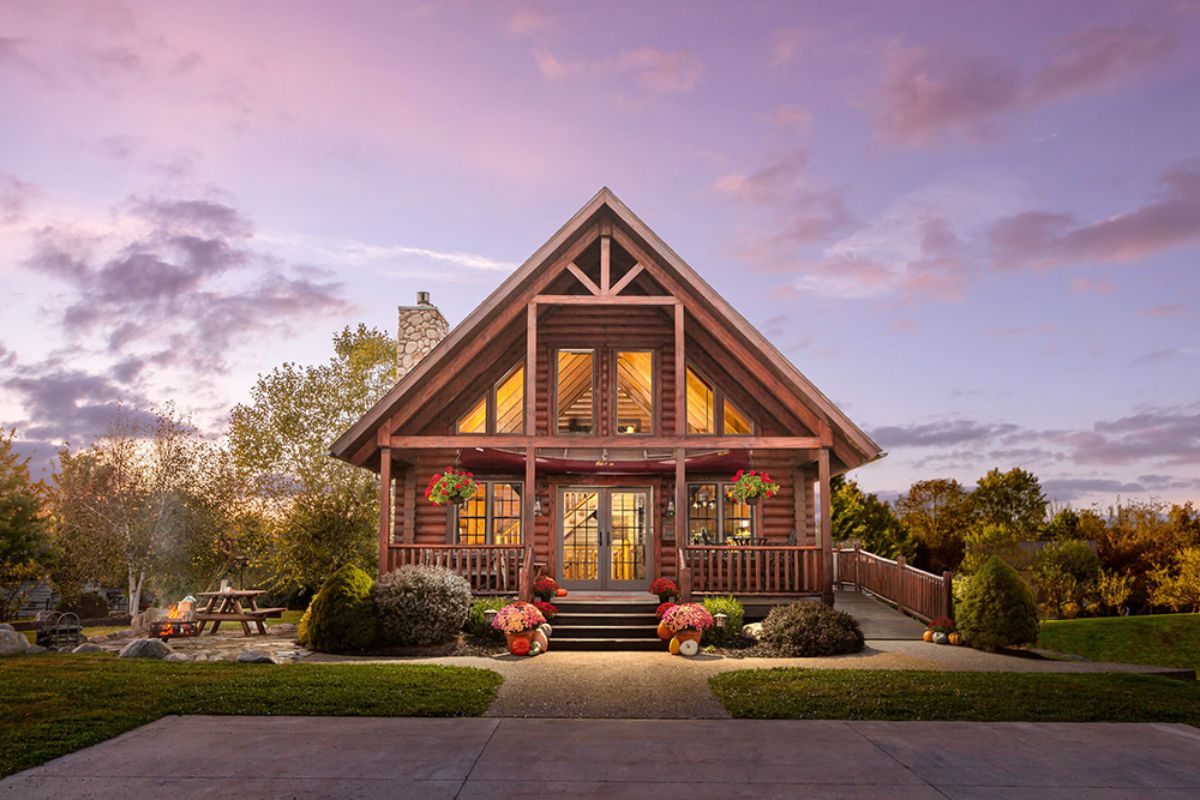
(602, 537)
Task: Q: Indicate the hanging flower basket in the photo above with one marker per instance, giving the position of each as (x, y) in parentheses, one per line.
(451, 486)
(752, 486)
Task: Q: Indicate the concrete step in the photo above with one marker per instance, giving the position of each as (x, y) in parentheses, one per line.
(605, 631)
(606, 645)
(618, 619)
(568, 606)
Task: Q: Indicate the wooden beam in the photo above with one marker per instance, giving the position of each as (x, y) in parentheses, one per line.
(410, 505)
(680, 501)
(680, 375)
(826, 527)
(627, 279)
(587, 282)
(605, 300)
(605, 264)
(631, 442)
(385, 506)
(531, 320)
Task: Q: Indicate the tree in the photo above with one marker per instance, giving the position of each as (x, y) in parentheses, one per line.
(863, 517)
(1177, 586)
(1065, 573)
(997, 609)
(325, 510)
(1012, 500)
(935, 515)
(1141, 537)
(23, 539)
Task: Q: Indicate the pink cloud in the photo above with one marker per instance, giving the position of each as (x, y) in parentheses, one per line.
(652, 69)
(767, 184)
(1169, 310)
(904, 326)
(1043, 239)
(1085, 284)
(528, 20)
(792, 118)
(788, 43)
(929, 90)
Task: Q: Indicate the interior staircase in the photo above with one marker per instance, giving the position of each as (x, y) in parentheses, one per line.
(607, 625)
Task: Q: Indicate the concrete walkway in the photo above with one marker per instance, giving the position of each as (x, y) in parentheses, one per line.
(877, 620)
(343, 757)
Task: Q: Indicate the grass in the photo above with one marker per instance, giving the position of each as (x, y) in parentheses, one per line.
(1165, 640)
(51, 705)
(790, 693)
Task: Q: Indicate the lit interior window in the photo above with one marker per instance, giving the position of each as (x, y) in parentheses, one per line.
(575, 391)
(475, 420)
(635, 391)
(736, 423)
(700, 416)
(510, 406)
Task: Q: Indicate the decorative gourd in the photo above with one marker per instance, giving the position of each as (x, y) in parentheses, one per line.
(674, 646)
(940, 638)
(955, 638)
(535, 649)
(541, 642)
(664, 632)
(689, 648)
(927, 636)
(561, 592)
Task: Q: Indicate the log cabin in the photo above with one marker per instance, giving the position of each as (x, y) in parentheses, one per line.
(604, 396)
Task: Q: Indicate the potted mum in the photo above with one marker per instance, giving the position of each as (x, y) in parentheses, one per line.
(939, 631)
(665, 588)
(545, 588)
(519, 622)
(548, 609)
(752, 486)
(450, 486)
(687, 623)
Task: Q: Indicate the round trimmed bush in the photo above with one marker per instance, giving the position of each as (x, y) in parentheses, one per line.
(341, 618)
(811, 629)
(420, 605)
(477, 624)
(733, 626)
(997, 609)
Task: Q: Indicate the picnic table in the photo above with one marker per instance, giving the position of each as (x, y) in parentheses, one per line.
(234, 605)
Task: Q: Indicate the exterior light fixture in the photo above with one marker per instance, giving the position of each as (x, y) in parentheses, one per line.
(537, 506)
(489, 614)
(720, 619)
(670, 507)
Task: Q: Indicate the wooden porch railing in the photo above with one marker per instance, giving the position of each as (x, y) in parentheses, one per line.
(757, 570)
(489, 568)
(914, 591)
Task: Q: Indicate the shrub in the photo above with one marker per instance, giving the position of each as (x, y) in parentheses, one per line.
(419, 605)
(736, 614)
(302, 625)
(89, 605)
(477, 624)
(811, 629)
(998, 609)
(342, 616)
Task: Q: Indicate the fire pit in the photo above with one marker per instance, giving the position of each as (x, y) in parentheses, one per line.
(177, 623)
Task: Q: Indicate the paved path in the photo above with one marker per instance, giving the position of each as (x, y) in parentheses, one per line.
(346, 757)
(877, 620)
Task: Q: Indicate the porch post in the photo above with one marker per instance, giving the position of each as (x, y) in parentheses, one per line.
(525, 583)
(680, 501)
(531, 316)
(826, 527)
(385, 506)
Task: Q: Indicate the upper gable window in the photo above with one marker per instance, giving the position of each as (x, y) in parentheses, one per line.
(635, 391)
(703, 400)
(576, 391)
(502, 410)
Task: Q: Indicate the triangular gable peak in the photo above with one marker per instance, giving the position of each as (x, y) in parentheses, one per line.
(606, 257)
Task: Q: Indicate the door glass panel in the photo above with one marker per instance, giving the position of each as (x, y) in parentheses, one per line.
(510, 406)
(581, 536)
(575, 391)
(627, 552)
(699, 405)
(635, 391)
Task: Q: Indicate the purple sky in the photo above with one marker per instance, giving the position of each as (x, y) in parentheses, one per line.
(974, 226)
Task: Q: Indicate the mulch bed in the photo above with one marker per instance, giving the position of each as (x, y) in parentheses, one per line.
(464, 645)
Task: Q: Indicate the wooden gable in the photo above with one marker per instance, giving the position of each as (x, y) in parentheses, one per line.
(615, 283)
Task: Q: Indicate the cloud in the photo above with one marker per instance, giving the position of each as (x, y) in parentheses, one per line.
(15, 195)
(904, 326)
(654, 70)
(1168, 434)
(1085, 284)
(928, 91)
(940, 433)
(792, 118)
(788, 43)
(528, 20)
(1044, 239)
(1064, 490)
(1168, 310)
(767, 184)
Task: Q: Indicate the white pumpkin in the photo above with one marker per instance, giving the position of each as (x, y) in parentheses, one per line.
(541, 641)
(689, 647)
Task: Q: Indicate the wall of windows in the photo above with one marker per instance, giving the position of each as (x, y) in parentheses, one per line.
(492, 515)
(714, 516)
(635, 391)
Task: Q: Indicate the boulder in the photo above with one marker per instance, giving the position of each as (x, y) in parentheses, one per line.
(4, 626)
(255, 657)
(176, 657)
(141, 620)
(88, 647)
(753, 631)
(146, 648)
(12, 643)
(34, 649)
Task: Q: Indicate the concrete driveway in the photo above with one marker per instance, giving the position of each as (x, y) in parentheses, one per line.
(343, 757)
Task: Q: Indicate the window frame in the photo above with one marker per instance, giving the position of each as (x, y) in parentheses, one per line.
(489, 400)
(487, 486)
(615, 403)
(718, 514)
(595, 353)
(718, 403)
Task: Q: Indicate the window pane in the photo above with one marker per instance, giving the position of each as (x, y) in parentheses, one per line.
(575, 390)
(699, 404)
(472, 518)
(475, 420)
(736, 423)
(635, 391)
(737, 523)
(506, 513)
(510, 408)
(702, 513)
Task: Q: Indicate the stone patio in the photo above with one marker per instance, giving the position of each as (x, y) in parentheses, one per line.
(225, 645)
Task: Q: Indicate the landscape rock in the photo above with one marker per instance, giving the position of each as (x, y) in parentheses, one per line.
(146, 648)
(12, 643)
(34, 649)
(4, 626)
(141, 621)
(176, 657)
(753, 630)
(255, 657)
(282, 629)
(88, 647)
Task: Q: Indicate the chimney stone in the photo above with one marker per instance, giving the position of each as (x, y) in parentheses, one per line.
(420, 328)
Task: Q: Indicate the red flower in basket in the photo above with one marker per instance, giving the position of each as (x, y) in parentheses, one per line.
(450, 486)
(665, 588)
(549, 610)
(544, 588)
(750, 487)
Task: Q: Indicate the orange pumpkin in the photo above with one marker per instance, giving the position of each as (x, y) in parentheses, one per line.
(561, 592)
(664, 632)
(674, 646)
(955, 638)
(927, 636)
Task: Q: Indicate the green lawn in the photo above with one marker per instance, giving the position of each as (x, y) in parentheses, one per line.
(1165, 640)
(52, 704)
(790, 693)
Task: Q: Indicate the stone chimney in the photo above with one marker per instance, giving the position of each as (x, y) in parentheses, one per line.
(421, 327)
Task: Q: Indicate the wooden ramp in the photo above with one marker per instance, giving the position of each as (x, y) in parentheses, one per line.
(877, 619)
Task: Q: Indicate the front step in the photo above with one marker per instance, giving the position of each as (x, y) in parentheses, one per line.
(611, 625)
(607, 645)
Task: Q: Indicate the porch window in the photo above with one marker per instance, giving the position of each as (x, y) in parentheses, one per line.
(576, 390)
(635, 391)
(715, 517)
(492, 515)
